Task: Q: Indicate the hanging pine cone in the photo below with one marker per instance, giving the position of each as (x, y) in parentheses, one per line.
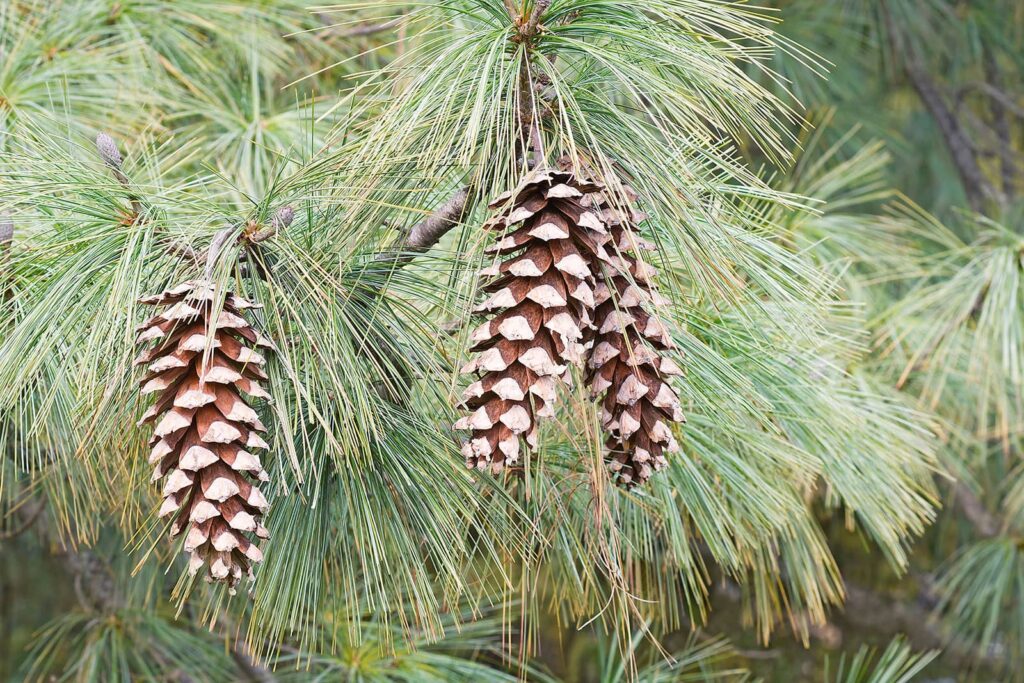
(202, 441)
(541, 302)
(626, 365)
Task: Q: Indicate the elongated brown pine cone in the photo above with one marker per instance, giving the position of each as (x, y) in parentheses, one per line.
(627, 368)
(541, 302)
(205, 430)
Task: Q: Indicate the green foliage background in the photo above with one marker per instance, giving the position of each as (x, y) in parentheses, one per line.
(834, 191)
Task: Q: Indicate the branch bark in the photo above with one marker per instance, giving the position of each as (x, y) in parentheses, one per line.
(869, 609)
(428, 232)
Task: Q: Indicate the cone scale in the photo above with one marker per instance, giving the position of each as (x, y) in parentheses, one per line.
(205, 434)
(540, 300)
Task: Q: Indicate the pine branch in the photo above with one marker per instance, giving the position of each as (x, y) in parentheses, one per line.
(870, 610)
(428, 232)
(111, 156)
(281, 219)
(93, 577)
(976, 185)
(985, 525)
(253, 671)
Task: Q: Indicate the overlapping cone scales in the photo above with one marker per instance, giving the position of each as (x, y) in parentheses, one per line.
(539, 303)
(627, 367)
(206, 436)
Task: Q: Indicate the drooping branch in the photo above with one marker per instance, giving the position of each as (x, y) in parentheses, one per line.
(976, 186)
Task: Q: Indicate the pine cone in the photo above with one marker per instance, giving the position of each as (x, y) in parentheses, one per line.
(541, 303)
(205, 431)
(626, 365)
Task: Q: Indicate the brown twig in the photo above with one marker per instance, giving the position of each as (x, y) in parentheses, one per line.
(428, 232)
(281, 219)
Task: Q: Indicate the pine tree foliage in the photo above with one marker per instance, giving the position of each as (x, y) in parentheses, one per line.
(943, 92)
(896, 664)
(838, 351)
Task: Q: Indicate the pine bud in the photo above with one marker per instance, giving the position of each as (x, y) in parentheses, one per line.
(282, 218)
(108, 151)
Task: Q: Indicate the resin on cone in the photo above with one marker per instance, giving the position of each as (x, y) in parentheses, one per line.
(627, 366)
(540, 289)
(205, 435)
